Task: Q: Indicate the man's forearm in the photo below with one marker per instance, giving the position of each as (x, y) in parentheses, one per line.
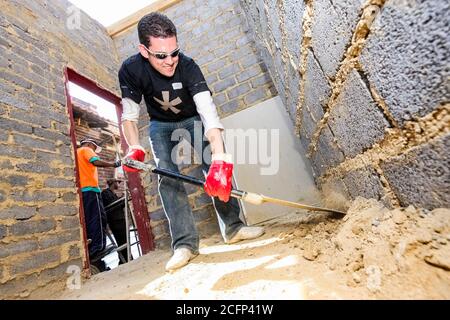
(104, 164)
(215, 139)
(131, 132)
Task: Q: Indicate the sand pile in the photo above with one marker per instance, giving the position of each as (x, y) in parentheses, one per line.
(373, 253)
(393, 253)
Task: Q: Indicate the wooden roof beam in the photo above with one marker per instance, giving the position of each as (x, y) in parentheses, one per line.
(132, 20)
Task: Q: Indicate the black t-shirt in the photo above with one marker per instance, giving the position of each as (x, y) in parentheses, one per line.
(167, 98)
(115, 212)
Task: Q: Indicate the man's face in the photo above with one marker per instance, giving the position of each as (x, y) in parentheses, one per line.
(94, 148)
(166, 46)
(91, 146)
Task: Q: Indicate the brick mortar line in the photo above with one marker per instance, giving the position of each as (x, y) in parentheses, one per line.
(23, 175)
(40, 237)
(59, 231)
(382, 105)
(15, 162)
(31, 105)
(390, 194)
(266, 84)
(41, 286)
(248, 81)
(272, 76)
(45, 72)
(54, 166)
(34, 188)
(225, 65)
(267, 44)
(285, 56)
(350, 61)
(26, 62)
(246, 106)
(267, 89)
(9, 203)
(36, 137)
(257, 37)
(220, 37)
(216, 37)
(25, 253)
(398, 141)
(11, 132)
(228, 87)
(38, 205)
(307, 21)
(56, 152)
(29, 66)
(7, 276)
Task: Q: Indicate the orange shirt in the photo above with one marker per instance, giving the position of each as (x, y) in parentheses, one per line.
(88, 172)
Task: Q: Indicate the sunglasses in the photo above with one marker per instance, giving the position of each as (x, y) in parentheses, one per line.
(163, 55)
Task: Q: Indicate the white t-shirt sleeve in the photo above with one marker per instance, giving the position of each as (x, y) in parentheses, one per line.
(207, 111)
(130, 110)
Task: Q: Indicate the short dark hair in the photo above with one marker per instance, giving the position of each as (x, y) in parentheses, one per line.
(111, 181)
(157, 25)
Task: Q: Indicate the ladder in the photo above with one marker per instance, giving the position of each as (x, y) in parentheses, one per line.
(127, 213)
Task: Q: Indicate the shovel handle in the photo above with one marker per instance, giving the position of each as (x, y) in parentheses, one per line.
(175, 175)
(239, 194)
(191, 180)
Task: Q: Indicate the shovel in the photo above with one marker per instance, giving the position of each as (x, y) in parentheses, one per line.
(250, 197)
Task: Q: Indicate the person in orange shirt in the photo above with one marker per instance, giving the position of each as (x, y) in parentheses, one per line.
(94, 213)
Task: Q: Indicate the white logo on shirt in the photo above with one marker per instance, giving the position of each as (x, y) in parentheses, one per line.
(167, 104)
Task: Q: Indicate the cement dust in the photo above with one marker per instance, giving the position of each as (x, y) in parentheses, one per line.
(373, 253)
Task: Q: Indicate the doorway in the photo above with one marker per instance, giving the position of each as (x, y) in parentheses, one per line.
(95, 113)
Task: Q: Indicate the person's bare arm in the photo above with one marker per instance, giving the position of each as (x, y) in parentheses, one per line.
(214, 136)
(131, 132)
(104, 164)
(130, 117)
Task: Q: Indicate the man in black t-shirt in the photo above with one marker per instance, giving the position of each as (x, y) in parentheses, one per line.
(177, 98)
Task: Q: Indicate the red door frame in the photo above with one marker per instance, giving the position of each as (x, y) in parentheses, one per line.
(134, 181)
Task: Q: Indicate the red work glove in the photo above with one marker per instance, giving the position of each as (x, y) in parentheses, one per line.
(137, 153)
(218, 180)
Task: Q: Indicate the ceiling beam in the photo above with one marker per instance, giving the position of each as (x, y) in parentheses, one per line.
(130, 21)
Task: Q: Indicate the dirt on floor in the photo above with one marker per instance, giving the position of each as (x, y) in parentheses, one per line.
(373, 253)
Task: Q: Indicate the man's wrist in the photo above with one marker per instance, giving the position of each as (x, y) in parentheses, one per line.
(117, 163)
(226, 157)
(136, 147)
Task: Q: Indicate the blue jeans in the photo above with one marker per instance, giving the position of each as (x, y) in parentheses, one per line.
(173, 194)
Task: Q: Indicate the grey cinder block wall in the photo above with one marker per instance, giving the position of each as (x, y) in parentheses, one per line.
(215, 34)
(366, 83)
(40, 233)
